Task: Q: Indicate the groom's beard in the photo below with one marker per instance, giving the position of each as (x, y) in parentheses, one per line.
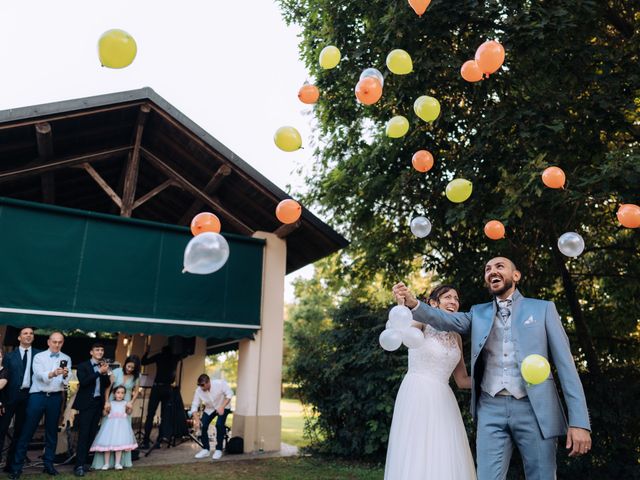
(507, 284)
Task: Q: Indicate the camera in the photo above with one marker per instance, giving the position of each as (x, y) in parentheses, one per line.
(63, 364)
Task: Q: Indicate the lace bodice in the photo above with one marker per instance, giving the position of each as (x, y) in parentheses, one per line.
(437, 357)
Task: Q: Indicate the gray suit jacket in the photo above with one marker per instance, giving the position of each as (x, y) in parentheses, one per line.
(537, 329)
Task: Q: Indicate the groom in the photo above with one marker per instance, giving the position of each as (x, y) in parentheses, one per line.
(507, 410)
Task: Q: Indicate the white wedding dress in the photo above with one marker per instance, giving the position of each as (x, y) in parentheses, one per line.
(428, 440)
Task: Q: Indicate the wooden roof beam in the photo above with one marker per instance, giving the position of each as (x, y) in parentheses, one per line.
(284, 230)
(149, 195)
(217, 178)
(103, 184)
(196, 192)
(36, 168)
(44, 140)
(133, 164)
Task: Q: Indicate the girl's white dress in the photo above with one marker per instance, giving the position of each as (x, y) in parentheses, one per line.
(428, 440)
(115, 432)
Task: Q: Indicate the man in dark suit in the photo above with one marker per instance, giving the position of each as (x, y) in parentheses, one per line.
(161, 392)
(93, 377)
(19, 362)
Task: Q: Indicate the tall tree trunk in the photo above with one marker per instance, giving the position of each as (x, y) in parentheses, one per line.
(582, 329)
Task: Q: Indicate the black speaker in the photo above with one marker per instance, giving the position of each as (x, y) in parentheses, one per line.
(182, 346)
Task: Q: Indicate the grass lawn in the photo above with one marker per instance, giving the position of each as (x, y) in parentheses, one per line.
(291, 468)
(292, 422)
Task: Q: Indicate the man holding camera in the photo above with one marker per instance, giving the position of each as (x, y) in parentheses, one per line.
(93, 379)
(50, 379)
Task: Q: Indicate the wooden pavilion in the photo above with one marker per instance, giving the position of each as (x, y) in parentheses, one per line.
(95, 198)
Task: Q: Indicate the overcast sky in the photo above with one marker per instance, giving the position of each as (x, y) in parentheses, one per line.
(231, 66)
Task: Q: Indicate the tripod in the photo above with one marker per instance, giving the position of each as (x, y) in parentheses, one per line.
(140, 433)
(173, 423)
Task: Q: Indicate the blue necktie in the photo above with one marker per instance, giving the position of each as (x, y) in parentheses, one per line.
(504, 309)
(53, 355)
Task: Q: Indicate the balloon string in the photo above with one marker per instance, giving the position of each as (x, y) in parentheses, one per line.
(400, 300)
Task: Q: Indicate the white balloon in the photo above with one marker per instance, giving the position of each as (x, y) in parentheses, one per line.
(372, 72)
(206, 253)
(420, 227)
(400, 317)
(412, 337)
(390, 339)
(571, 244)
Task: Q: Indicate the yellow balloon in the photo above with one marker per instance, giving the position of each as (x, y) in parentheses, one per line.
(427, 108)
(288, 139)
(397, 127)
(116, 49)
(459, 190)
(399, 62)
(535, 369)
(329, 57)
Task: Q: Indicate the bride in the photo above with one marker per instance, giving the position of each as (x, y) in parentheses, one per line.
(428, 440)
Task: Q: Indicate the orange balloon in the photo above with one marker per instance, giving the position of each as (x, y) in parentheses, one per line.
(205, 222)
(308, 94)
(490, 56)
(494, 230)
(422, 161)
(629, 215)
(369, 90)
(288, 211)
(553, 177)
(470, 71)
(419, 6)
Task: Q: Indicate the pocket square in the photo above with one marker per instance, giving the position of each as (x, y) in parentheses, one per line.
(529, 321)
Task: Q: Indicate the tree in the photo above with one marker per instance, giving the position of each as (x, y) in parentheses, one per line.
(568, 95)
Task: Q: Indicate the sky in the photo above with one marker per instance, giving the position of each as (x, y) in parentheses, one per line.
(230, 66)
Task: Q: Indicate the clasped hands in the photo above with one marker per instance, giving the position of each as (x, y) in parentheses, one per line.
(404, 296)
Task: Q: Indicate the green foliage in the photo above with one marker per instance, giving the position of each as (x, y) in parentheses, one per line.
(568, 96)
(350, 382)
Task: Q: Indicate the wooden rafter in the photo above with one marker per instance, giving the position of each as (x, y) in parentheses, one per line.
(247, 178)
(196, 192)
(209, 189)
(284, 230)
(44, 140)
(68, 115)
(103, 184)
(36, 168)
(133, 163)
(152, 193)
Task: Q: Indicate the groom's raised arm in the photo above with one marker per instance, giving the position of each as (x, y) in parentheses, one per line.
(447, 321)
(439, 319)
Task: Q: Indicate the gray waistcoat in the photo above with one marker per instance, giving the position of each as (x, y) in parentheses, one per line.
(501, 367)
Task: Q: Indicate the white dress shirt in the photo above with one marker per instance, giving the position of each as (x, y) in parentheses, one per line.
(212, 399)
(43, 364)
(26, 378)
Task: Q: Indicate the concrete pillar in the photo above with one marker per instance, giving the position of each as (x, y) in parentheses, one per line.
(257, 415)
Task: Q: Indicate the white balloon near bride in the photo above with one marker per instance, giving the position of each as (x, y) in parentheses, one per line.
(400, 317)
(412, 337)
(390, 339)
(399, 331)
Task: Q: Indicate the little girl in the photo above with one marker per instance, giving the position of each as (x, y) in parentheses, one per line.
(116, 434)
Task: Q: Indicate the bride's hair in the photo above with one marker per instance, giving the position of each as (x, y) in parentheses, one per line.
(437, 292)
